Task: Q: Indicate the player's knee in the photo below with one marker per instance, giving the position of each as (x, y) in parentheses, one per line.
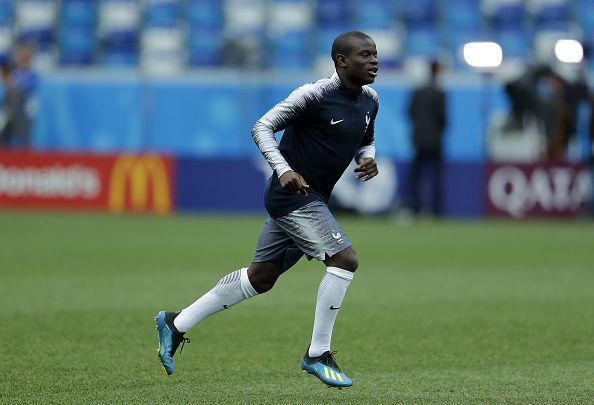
(351, 263)
(262, 276)
(262, 285)
(346, 260)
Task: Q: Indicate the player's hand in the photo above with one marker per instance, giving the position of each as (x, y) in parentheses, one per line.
(293, 183)
(367, 169)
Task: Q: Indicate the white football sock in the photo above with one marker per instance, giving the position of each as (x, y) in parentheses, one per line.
(231, 289)
(330, 295)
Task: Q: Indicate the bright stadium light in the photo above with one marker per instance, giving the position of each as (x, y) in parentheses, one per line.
(569, 51)
(483, 54)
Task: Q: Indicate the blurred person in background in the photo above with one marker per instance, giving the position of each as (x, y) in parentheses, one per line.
(24, 79)
(327, 124)
(13, 122)
(554, 114)
(523, 97)
(427, 113)
(577, 94)
(560, 100)
(541, 95)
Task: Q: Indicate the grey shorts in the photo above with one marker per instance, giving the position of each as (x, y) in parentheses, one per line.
(311, 230)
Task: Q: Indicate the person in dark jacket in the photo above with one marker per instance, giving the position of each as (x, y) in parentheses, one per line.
(427, 112)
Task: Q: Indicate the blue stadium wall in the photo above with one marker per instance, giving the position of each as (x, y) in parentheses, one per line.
(205, 121)
(213, 115)
(229, 184)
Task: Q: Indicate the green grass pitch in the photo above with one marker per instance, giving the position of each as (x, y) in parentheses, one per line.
(443, 312)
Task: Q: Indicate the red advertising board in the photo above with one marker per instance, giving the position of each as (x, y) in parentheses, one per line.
(116, 183)
(542, 190)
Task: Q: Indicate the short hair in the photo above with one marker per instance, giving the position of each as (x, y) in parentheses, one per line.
(343, 43)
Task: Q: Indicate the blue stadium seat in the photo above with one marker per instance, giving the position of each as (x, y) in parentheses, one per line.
(289, 34)
(205, 13)
(324, 38)
(204, 47)
(6, 12)
(122, 41)
(119, 32)
(420, 14)
(516, 44)
(462, 13)
(78, 13)
(422, 43)
(42, 38)
(584, 11)
(77, 46)
(120, 49)
(552, 15)
(291, 42)
(76, 37)
(291, 51)
(372, 14)
(35, 21)
(509, 16)
(161, 13)
(333, 13)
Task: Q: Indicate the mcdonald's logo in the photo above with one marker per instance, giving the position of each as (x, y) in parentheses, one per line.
(140, 184)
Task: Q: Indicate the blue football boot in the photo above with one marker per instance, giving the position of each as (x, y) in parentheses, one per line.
(325, 368)
(169, 339)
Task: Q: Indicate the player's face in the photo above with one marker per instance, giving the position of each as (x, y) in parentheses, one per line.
(361, 63)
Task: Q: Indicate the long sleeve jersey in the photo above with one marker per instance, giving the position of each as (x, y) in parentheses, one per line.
(326, 126)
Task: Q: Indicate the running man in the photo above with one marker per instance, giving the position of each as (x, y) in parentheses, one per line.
(327, 124)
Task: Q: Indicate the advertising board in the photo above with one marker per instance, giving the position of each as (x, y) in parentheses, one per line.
(542, 190)
(116, 183)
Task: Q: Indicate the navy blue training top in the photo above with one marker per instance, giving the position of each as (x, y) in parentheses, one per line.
(326, 126)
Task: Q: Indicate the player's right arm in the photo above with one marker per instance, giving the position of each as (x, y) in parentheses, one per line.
(279, 117)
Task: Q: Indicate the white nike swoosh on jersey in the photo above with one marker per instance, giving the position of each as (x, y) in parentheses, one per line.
(332, 122)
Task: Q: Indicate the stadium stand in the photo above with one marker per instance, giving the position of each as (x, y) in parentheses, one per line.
(420, 14)
(119, 32)
(76, 32)
(205, 32)
(462, 14)
(172, 35)
(289, 34)
(6, 18)
(375, 14)
(35, 22)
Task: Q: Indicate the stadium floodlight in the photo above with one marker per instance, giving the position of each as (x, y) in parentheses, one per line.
(569, 51)
(483, 55)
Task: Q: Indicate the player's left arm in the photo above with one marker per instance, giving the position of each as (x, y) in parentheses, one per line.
(365, 156)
